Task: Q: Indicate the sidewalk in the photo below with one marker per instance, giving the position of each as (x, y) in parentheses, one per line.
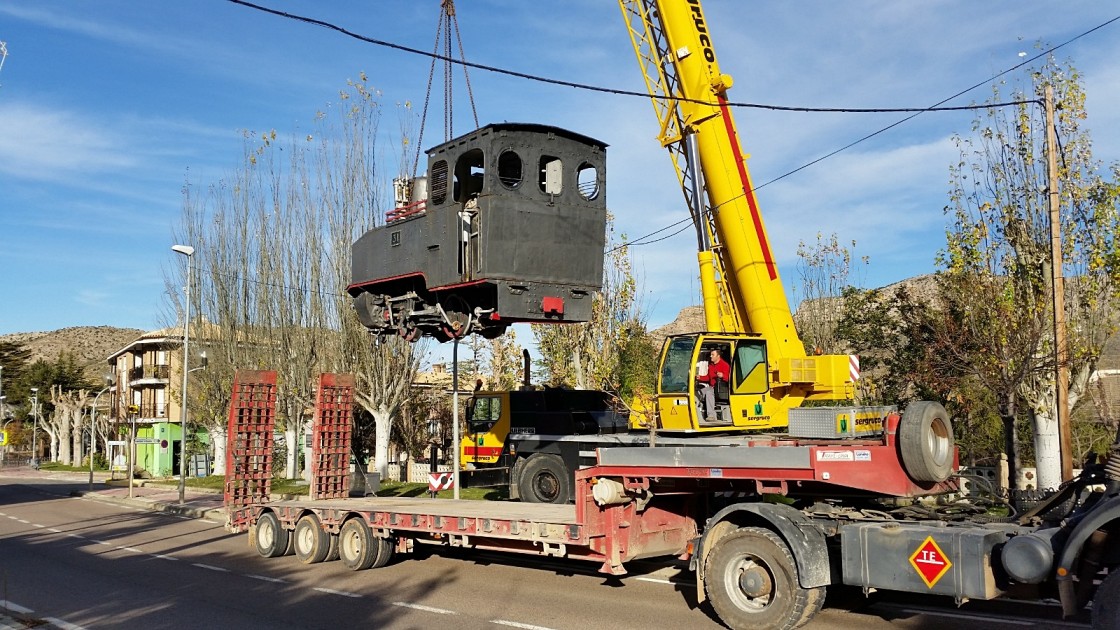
(162, 497)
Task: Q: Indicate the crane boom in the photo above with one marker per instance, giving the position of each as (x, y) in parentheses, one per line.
(742, 291)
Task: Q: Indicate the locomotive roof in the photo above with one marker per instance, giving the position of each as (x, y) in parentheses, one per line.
(532, 127)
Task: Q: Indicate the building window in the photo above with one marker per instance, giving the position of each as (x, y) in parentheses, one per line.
(439, 182)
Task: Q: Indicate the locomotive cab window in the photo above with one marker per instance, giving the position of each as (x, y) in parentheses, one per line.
(551, 175)
(587, 181)
(439, 182)
(469, 175)
(509, 169)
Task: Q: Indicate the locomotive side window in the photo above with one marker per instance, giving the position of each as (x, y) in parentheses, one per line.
(551, 175)
(509, 169)
(587, 181)
(469, 175)
(439, 182)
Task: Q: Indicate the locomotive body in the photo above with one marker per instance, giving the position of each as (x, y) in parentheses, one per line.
(508, 226)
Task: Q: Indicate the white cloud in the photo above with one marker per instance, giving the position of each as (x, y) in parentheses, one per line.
(41, 143)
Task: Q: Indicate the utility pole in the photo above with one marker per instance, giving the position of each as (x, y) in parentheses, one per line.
(1061, 349)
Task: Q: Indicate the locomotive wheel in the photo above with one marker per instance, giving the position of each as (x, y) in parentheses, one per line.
(357, 548)
(925, 439)
(270, 539)
(458, 315)
(545, 479)
(751, 580)
(312, 543)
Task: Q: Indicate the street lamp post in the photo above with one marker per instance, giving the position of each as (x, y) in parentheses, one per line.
(34, 427)
(187, 251)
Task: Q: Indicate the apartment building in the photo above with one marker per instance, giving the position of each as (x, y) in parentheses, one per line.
(146, 383)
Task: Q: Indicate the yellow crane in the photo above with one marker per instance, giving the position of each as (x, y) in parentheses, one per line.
(746, 313)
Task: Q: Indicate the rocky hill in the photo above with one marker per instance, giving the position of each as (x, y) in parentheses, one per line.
(91, 345)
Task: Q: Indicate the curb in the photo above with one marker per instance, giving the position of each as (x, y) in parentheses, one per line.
(211, 514)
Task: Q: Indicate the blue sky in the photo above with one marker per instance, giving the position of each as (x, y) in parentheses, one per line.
(108, 107)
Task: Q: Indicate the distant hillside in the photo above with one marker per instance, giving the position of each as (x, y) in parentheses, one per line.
(91, 345)
(691, 318)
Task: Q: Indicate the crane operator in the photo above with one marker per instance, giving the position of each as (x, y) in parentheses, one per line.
(718, 370)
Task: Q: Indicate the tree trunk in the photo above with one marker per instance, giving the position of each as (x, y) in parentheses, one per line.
(290, 437)
(381, 423)
(1047, 451)
(218, 441)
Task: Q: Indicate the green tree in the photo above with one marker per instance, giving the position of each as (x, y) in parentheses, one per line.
(996, 264)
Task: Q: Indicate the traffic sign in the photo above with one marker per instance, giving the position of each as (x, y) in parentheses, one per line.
(930, 562)
(3, 438)
(147, 441)
(440, 481)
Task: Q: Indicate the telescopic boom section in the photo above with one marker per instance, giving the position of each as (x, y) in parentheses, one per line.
(675, 51)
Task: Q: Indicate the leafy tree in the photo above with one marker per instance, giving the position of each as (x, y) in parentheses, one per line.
(996, 264)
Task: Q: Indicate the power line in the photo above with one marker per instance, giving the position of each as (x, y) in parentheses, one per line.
(617, 91)
(913, 111)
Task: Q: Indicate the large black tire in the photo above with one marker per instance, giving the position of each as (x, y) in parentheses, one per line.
(384, 548)
(357, 548)
(545, 479)
(925, 441)
(270, 539)
(751, 581)
(312, 543)
(1106, 602)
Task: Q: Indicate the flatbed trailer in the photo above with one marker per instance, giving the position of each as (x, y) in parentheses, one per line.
(808, 515)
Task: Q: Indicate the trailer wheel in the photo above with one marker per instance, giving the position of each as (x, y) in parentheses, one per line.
(925, 438)
(356, 545)
(384, 548)
(545, 479)
(312, 543)
(1106, 602)
(751, 580)
(269, 538)
(332, 549)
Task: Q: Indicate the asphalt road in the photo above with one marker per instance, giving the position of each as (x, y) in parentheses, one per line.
(83, 563)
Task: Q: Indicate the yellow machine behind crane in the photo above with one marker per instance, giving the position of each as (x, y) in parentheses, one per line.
(747, 316)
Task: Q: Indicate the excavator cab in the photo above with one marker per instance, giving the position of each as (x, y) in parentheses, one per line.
(745, 402)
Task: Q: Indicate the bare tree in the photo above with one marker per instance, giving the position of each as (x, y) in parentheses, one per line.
(586, 355)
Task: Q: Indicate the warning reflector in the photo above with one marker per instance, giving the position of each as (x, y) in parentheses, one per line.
(440, 481)
(930, 562)
(853, 366)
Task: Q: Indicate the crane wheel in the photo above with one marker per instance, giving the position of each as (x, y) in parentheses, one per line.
(925, 440)
(545, 479)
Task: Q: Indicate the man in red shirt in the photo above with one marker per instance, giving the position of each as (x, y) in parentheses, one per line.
(718, 370)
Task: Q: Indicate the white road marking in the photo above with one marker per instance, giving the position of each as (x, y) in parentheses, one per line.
(52, 529)
(211, 567)
(331, 591)
(163, 557)
(102, 542)
(65, 625)
(7, 605)
(76, 536)
(431, 609)
(654, 580)
(266, 578)
(132, 549)
(14, 518)
(38, 526)
(514, 624)
(20, 520)
(938, 613)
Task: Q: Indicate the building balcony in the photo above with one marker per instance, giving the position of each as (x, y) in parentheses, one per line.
(149, 375)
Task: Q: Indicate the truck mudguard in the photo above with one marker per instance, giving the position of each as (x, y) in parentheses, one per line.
(805, 540)
(1103, 513)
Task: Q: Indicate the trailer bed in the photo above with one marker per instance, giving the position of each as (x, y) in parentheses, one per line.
(450, 508)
